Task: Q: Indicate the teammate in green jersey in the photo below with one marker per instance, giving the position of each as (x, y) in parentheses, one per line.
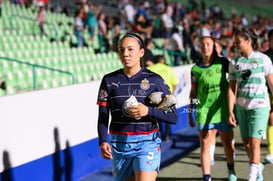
(208, 92)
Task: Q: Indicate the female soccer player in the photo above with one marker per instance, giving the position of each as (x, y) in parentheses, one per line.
(248, 76)
(209, 91)
(134, 138)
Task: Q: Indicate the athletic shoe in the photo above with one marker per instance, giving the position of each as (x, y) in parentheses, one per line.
(269, 159)
(260, 176)
(232, 176)
(207, 178)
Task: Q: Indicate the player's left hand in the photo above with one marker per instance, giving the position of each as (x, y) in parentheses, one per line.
(138, 111)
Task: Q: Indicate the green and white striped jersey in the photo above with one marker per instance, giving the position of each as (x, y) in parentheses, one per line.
(250, 74)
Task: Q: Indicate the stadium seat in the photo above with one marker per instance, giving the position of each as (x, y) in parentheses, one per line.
(11, 90)
(2, 92)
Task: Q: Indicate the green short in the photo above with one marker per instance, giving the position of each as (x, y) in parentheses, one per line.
(252, 122)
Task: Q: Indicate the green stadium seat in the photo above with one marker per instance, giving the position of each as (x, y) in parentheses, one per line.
(2, 92)
(45, 84)
(55, 83)
(65, 81)
(11, 90)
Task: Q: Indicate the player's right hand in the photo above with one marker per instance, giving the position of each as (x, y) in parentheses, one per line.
(105, 151)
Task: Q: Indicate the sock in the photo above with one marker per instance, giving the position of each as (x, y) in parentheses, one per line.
(253, 171)
(206, 177)
(270, 139)
(233, 145)
(233, 141)
(230, 166)
(212, 151)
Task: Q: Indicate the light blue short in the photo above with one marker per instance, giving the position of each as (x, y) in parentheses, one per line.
(135, 153)
(222, 126)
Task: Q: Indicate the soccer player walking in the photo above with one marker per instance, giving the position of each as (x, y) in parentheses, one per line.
(248, 76)
(209, 86)
(134, 138)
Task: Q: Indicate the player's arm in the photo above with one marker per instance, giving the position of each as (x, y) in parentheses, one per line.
(103, 117)
(168, 115)
(166, 110)
(232, 91)
(269, 80)
(232, 88)
(103, 121)
(193, 98)
(269, 73)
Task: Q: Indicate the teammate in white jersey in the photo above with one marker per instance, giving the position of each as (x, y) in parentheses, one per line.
(248, 75)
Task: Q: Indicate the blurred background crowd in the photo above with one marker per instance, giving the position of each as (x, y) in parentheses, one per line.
(179, 24)
(81, 36)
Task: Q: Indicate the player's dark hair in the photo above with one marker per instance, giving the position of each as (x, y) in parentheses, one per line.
(249, 34)
(135, 36)
(140, 42)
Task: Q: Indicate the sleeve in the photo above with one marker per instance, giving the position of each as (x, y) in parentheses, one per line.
(160, 115)
(231, 75)
(168, 117)
(193, 77)
(268, 67)
(103, 117)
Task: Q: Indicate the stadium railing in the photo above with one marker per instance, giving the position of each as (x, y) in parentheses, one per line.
(10, 80)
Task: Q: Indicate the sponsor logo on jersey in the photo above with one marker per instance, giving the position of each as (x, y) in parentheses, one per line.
(115, 84)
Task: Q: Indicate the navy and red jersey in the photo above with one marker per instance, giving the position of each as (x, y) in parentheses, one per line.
(116, 88)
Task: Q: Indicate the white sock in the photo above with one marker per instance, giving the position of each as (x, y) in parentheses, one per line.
(212, 151)
(253, 171)
(233, 143)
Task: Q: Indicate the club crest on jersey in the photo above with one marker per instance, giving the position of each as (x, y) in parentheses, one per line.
(254, 64)
(145, 84)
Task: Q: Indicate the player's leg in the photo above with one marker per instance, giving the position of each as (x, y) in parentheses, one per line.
(255, 167)
(206, 137)
(212, 148)
(145, 176)
(122, 168)
(226, 135)
(257, 127)
(146, 163)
